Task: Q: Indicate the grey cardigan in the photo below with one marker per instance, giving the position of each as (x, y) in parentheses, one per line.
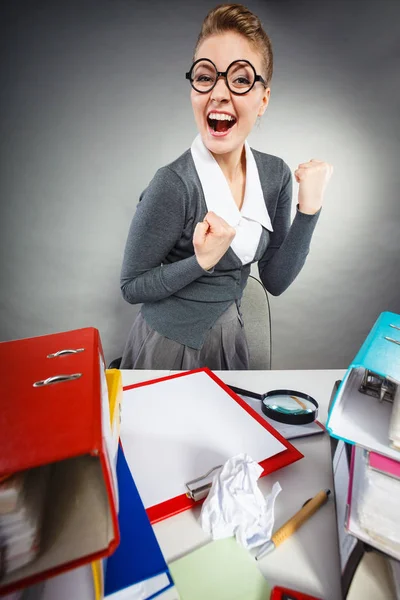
(180, 299)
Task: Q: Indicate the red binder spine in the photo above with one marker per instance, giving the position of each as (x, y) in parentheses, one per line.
(58, 419)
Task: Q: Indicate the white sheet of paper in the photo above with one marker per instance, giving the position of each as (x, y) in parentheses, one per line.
(175, 430)
(143, 590)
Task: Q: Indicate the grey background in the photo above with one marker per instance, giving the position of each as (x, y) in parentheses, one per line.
(93, 101)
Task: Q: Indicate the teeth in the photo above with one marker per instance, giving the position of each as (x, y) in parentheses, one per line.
(220, 117)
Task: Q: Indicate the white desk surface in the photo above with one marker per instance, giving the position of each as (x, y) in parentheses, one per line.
(309, 560)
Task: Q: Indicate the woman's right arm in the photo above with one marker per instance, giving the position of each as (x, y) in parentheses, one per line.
(155, 229)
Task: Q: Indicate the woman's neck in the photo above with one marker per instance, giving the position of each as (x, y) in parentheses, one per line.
(232, 164)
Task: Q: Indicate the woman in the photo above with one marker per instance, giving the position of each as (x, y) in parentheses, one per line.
(215, 210)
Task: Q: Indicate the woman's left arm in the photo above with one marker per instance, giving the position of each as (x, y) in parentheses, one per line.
(290, 244)
(312, 177)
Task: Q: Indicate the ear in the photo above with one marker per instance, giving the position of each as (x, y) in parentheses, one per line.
(264, 102)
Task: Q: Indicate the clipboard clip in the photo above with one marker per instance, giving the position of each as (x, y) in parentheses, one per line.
(198, 488)
(377, 386)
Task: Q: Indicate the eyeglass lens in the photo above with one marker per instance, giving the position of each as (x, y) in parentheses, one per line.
(240, 76)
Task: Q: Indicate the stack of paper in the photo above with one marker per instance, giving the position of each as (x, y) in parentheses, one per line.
(363, 571)
(22, 499)
(374, 494)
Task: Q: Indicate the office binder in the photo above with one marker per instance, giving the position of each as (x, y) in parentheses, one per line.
(85, 582)
(55, 411)
(373, 501)
(138, 564)
(366, 408)
(356, 556)
(176, 428)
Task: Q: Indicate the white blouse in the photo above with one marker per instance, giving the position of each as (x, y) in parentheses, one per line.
(248, 221)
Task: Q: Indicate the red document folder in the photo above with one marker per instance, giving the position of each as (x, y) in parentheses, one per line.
(55, 411)
(181, 502)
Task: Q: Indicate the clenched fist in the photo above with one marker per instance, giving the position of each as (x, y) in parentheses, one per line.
(312, 177)
(211, 239)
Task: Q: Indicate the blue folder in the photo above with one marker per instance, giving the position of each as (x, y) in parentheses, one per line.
(355, 417)
(138, 559)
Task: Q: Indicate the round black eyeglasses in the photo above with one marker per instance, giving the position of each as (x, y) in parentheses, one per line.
(240, 76)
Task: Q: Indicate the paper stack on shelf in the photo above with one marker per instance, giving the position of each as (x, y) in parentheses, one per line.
(373, 501)
(22, 498)
(365, 417)
(362, 566)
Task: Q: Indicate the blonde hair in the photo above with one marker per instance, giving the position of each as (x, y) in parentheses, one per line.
(239, 19)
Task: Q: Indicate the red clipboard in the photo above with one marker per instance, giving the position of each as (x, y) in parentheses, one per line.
(182, 502)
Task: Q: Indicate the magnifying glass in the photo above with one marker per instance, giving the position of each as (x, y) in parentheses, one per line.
(289, 406)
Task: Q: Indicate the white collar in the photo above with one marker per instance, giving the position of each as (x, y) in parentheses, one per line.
(217, 193)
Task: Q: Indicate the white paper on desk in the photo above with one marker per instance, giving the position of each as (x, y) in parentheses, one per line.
(175, 430)
(142, 590)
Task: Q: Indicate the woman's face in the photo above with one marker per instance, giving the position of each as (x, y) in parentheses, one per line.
(223, 49)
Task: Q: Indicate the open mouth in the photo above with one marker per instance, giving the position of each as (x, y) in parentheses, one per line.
(220, 122)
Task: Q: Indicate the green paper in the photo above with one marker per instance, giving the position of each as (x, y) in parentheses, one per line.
(221, 570)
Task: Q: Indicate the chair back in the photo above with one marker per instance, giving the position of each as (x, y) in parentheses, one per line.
(257, 323)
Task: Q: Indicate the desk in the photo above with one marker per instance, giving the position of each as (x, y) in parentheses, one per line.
(309, 560)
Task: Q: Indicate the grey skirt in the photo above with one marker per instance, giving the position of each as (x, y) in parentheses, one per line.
(225, 347)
